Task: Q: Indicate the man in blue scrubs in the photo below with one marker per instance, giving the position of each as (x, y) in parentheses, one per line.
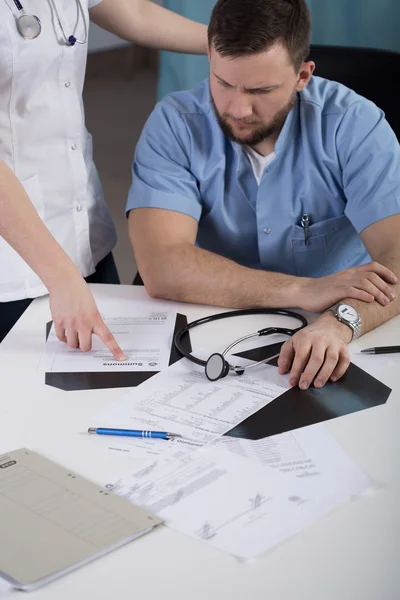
(266, 186)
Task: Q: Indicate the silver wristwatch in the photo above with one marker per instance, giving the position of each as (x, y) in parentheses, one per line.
(348, 315)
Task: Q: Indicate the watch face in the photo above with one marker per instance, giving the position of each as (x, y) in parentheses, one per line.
(348, 313)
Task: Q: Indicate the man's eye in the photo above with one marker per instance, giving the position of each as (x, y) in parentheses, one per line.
(257, 92)
(224, 84)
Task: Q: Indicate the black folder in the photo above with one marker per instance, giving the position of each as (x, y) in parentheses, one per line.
(296, 408)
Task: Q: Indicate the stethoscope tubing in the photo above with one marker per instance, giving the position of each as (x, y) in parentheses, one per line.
(238, 313)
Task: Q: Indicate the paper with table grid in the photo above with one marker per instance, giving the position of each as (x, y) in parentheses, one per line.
(53, 521)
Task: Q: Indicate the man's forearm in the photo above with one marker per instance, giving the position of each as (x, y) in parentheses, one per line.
(186, 273)
(22, 228)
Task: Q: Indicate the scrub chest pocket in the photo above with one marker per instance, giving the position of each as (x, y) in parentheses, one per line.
(329, 241)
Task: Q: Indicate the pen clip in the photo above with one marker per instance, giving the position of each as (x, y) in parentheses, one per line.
(305, 223)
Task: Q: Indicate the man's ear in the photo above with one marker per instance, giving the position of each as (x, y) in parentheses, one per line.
(305, 74)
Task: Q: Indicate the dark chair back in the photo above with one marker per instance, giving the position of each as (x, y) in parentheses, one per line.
(371, 73)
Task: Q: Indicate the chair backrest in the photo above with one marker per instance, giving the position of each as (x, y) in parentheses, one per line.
(371, 73)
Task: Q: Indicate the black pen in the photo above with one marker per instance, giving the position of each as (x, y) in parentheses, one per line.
(381, 350)
(305, 223)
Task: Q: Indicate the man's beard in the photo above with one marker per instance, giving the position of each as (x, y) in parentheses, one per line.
(261, 133)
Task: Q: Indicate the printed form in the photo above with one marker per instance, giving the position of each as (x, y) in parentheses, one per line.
(228, 502)
(183, 401)
(145, 338)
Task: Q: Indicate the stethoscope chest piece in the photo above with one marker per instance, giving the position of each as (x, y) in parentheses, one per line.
(29, 26)
(216, 367)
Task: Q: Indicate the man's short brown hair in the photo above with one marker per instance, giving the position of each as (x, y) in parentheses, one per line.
(243, 27)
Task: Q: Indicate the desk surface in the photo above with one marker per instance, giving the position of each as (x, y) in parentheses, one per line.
(351, 554)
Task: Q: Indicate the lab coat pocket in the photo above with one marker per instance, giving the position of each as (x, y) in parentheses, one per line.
(325, 238)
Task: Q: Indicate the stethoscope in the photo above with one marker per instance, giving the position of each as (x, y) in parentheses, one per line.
(216, 366)
(30, 27)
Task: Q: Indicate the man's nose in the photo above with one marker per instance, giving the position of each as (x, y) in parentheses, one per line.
(241, 108)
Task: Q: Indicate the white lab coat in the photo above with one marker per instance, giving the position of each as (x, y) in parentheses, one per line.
(43, 139)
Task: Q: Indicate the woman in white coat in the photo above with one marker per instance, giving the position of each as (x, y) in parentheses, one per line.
(55, 229)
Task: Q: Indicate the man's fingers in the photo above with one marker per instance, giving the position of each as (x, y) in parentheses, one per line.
(358, 294)
(342, 366)
(300, 360)
(380, 270)
(316, 360)
(366, 285)
(384, 289)
(331, 361)
(102, 331)
(285, 357)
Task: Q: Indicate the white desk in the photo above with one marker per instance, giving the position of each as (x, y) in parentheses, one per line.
(353, 553)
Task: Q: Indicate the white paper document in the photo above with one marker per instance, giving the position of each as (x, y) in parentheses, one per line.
(311, 454)
(241, 496)
(145, 337)
(231, 504)
(183, 401)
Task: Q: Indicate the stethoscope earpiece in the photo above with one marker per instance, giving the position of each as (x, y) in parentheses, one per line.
(216, 367)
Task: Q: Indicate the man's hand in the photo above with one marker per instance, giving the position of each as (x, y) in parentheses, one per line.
(368, 282)
(318, 351)
(76, 318)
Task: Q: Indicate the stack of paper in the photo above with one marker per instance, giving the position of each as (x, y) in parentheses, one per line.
(242, 496)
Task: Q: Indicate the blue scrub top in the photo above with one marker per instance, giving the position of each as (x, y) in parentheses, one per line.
(337, 160)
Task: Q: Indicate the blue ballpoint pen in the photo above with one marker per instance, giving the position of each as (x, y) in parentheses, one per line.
(163, 435)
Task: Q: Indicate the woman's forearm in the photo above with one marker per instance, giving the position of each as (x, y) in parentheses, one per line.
(170, 31)
(150, 25)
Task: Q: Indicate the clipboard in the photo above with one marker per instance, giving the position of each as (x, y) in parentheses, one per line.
(356, 390)
(95, 381)
(53, 521)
